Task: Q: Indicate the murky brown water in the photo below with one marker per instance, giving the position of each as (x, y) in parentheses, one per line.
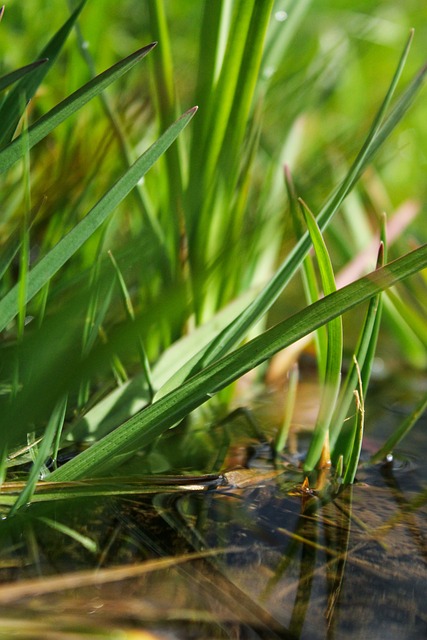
(251, 561)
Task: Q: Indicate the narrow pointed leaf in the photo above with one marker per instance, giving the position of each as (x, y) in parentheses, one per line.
(14, 104)
(150, 423)
(13, 76)
(58, 256)
(70, 105)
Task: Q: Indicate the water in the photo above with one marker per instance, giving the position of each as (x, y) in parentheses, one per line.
(269, 564)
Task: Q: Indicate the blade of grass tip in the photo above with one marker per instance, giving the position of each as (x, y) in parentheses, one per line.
(58, 256)
(61, 112)
(391, 442)
(13, 76)
(308, 275)
(54, 425)
(11, 110)
(364, 353)
(353, 460)
(333, 362)
(140, 430)
(220, 105)
(238, 328)
(127, 302)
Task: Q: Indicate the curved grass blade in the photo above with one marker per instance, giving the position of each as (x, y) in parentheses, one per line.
(236, 331)
(58, 256)
(150, 423)
(40, 129)
(332, 379)
(13, 76)
(12, 108)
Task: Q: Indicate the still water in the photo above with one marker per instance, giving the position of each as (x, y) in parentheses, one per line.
(252, 555)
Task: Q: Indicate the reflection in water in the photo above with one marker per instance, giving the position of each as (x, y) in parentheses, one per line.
(353, 567)
(270, 564)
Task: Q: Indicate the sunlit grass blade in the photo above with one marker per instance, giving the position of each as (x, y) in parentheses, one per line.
(61, 112)
(238, 329)
(58, 256)
(399, 433)
(13, 76)
(332, 368)
(363, 358)
(11, 110)
(308, 275)
(150, 423)
(55, 424)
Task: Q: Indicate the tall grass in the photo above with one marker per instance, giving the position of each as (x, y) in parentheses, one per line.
(133, 311)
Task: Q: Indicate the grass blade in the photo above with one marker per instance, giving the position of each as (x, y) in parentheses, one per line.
(13, 76)
(150, 423)
(58, 256)
(55, 424)
(399, 433)
(332, 379)
(12, 108)
(236, 331)
(364, 355)
(40, 129)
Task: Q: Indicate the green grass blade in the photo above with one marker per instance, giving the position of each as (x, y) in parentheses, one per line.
(332, 379)
(12, 109)
(364, 355)
(40, 129)
(58, 256)
(131, 397)
(238, 329)
(150, 423)
(127, 303)
(55, 424)
(88, 543)
(353, 462)
(401, 431)
(14, 76)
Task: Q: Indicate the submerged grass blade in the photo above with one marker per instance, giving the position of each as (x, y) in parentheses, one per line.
(399, 433)
(150, 423)
(47, 123)
(58, 256)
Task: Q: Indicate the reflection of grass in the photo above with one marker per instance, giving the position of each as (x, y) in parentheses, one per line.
(93, 303)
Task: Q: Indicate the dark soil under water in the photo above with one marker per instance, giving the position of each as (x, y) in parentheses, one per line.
(249, 559)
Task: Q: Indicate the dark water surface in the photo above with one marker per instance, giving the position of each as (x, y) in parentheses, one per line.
(287, 566)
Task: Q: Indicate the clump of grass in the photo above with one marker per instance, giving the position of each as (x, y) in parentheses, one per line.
(177, 310)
